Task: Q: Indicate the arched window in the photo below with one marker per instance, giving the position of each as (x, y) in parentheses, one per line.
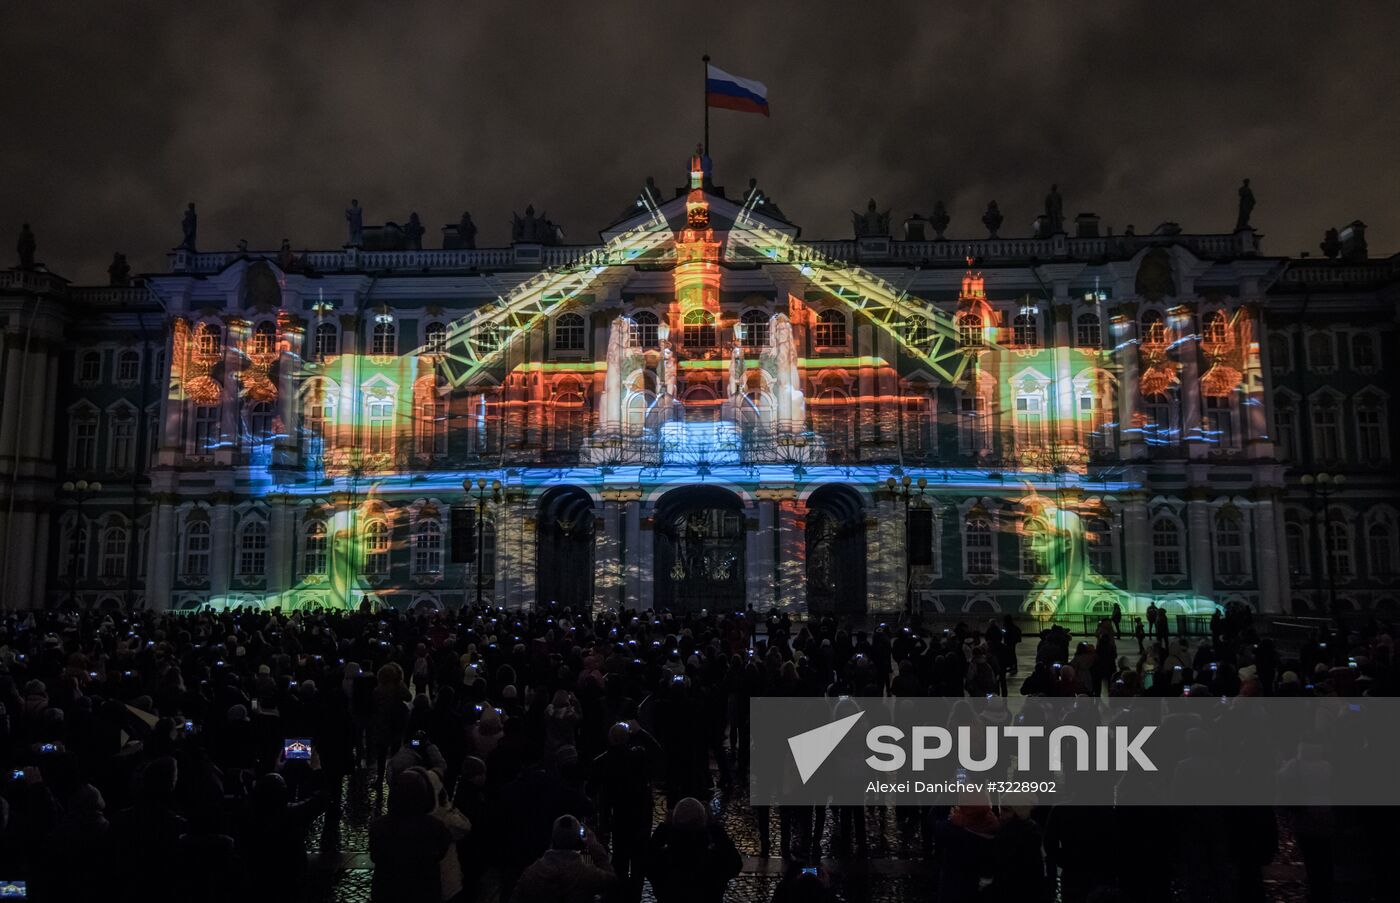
(376, 548)
(1363, 351)
(1217, 330)
(1154, 328)
(1339, 547)
(831, 329)
(1321, 353)
(427, 547)
(485, 338)
(1166, 547)
(917, 331)
(753, 326)
(1033, 536)
(977, 544)
(208, 342)
(1024, 331)
(1280, 351)
(831, 418)
(1098, 537)
(327, 342)
(114, 544)
(1296, 544)
(568, 333)
(970, 330)
(264, 339)
(1087, 331)
(699, 329)
(1327, 428)
(1229, 544)
(314, 558)
(129, 366)
(384, 339)
(570, 419)
(252, 549)
(1371, 445)
(1380, 547)
(435, 339)
(90, 367)
(197, 543)
(645, 332)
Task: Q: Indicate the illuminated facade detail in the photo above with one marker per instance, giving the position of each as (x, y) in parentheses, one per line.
(703, 411)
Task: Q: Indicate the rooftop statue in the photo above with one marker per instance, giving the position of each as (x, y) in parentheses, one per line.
(189, 225)
(533, 229)
(992, 219)
(466, 231)
(413, 230)
(1054, 212)
(872, 222)
(355, 218)
(25, 247)
(1331, 244)
(1246, 207)
(939, 220)
(119, 272)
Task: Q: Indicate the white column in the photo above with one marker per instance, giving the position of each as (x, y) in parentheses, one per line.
(1269, 560)
(1137, 544)
(161, 556)
(607, 561)
(1200, 565)
(632, 550)
(792, 560)
(220, 549)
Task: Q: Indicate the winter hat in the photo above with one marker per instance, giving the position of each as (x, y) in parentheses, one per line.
(689, 813)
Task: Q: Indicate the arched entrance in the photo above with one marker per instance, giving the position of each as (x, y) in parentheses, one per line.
(700, 550)
(836, 559)
(564, 548)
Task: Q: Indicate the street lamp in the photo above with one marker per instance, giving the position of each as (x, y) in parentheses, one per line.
(901, 490)
(482, 497)
(81, 491)
(1324, 485)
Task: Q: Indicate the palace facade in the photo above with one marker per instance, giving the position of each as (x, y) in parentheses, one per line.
(703, 410)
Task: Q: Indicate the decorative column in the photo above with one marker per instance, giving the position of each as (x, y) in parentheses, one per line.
(221, 548)
(792, 552)
(632, 549)
(1199, 565)
(281, 547)
(1137, 543)
(607, 551)
(162, 554)
(646, 554)
(1122, 326)
(1182, 320)
(761, 590)
(1270, 564)
(886, 571)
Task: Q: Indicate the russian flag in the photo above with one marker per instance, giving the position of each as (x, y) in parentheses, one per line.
(730, 92)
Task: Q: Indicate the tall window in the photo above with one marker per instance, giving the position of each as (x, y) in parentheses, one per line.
(1321, 354)
(197, 544)
(919, 437)
(1030, 418)
(123, 440)
(1166, 547)
(314, 559)
(427, 547)
(208, 342)
(831, 329)
(970, 331)
(327, 343)
(260, 419)
(206, 428)
(129, 366)
(975, 420)
(85, 442)
(114, 543)
(1280, 351)
(376, 548)
(917, 331)
(1296, 545)
(430, 433)
(644, 331)
(435, 339)
(1286, 428)
(1220, 421)
(485, 338)
(1380, 548)
(568, 333)
(1033, 562)
(570, 421)
(252, 549)
(380, 423)
(487, 564)
(1338, 543)
(1097, 414)
(753, 328)
(1217, 330)
(1363, 351)
(699, 329)
(1370, 430)
(1154, 328)
(831, 418)
(977, 540)
(384, 339)
(1327, 431)
(1024, 331)
(1087, 331)
(1229, 544)
(75, 558)
(90, 367)
(264, 339)
(1098, 536)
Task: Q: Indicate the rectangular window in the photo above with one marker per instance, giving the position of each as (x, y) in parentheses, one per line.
(1220, 421)
(920, 537)
(252, 555)
(974, 425)
(206, 429)
(1327, 437)
(1287, 433)
(85, 445)
(114, 552)
(1368, 434)
(123, 443)
(1030, 411)
(431, 428)
(381, 425)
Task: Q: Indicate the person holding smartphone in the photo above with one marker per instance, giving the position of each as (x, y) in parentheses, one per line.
(575, 868)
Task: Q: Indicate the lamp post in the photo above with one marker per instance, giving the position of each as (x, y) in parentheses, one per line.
(482, 496)
(901, 490)
(1324, 485)
(81, 491)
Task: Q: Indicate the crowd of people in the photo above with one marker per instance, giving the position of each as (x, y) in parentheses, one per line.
(558, 755)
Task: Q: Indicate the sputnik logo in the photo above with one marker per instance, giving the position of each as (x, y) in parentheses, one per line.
(811, 748)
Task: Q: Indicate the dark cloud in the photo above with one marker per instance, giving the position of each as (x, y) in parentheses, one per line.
(272, 115)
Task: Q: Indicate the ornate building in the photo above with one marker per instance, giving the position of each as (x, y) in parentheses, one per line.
(703, 411)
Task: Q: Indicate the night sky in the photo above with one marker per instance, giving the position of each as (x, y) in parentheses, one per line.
(272, 116)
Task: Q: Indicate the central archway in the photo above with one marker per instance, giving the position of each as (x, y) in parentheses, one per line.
(564, 550)
(700, 550)
(836, 555)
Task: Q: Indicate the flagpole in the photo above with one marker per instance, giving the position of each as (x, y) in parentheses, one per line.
(706, 98)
